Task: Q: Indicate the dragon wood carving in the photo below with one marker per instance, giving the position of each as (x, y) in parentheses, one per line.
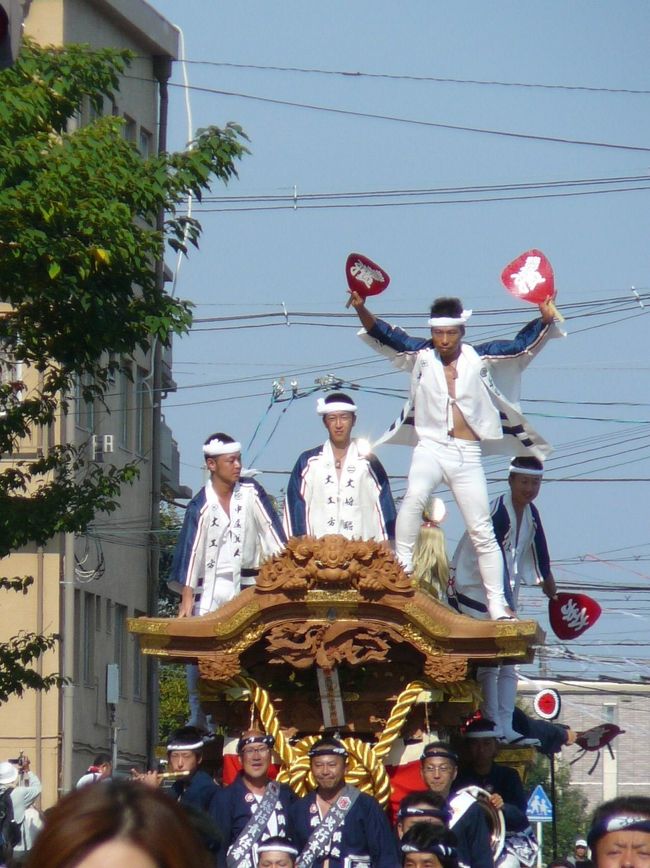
(300, 644)
(333, 562)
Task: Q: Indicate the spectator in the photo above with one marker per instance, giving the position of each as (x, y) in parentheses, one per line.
(121, 824)
(100, 770)
(23, 796)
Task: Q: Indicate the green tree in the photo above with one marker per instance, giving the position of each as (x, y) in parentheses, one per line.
(77, 273)
(570, 805)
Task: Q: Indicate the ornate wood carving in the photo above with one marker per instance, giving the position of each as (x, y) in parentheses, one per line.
(301, 644)
(333, 562)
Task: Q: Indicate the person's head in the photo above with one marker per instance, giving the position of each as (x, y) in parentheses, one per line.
(8, 775)
(328, 760)
(185, 749)
(525, 479)
(254, 751)
(581, 848)
(481, 745)
(447, 323)
(103, 763)
(422, 807)
(619, 836)
(277, 852)
(439, 767)
(427, 846)
(223, 459)
(561, 863)
(339, 415)
(119, 823)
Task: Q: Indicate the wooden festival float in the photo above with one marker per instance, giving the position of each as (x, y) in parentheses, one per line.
(335, 636)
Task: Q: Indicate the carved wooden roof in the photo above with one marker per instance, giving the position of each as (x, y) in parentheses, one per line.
(333, 601)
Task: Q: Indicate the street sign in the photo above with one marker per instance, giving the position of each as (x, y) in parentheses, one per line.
(539, 809)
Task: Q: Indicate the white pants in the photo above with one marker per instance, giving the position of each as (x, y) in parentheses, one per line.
(458, 463)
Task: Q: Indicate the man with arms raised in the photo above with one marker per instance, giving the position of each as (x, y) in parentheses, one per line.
(230, 527)
(339, 487)
(463, 399)
(253, 808)
(335, 825)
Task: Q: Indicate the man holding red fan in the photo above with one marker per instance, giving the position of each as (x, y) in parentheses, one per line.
(463, 401)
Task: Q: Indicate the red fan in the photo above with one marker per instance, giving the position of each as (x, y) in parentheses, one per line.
(529, 277)
(365, 276)
(571, 614)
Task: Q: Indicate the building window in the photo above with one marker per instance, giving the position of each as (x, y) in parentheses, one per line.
(146, 143)
(11, 376)
(138, 664)
(77, 636)
(98, 613)
(141, 411)
(129, 129)
(89, 640)
(120, 654)
(109, 617)
(85, 409)
(124, 409)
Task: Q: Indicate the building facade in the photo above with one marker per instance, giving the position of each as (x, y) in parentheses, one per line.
(86, 587)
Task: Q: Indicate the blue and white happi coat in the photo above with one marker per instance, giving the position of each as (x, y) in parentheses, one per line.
(357, 503)
(525, 557)
(252, 532)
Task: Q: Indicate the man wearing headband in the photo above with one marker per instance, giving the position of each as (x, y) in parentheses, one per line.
(230, 527)
(463, 401)
(339, 487)
(194, 787)
(276, 852)
(253, 808)
(335, 825)
(424, 846)
(439, 765)
(422, 807)
(520, 535)
(620, 833)
(505, 787)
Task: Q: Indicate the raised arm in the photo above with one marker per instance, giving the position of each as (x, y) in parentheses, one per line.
(366, 318)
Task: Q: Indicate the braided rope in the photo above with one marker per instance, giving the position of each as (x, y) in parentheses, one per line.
(399, 712)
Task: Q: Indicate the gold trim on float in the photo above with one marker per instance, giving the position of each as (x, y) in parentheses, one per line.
(138, 625)
(434, 628)
(413, 635)
(239, 619)
(331, 598)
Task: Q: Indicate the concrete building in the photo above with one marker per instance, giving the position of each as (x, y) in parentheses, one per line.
(86, 588)
(586, 704)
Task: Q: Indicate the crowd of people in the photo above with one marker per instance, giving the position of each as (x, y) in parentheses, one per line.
(256, 822)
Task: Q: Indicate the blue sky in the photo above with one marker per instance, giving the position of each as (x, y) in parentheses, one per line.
(560, 75)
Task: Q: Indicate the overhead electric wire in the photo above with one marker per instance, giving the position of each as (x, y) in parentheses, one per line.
(510, 134)
(358, 74)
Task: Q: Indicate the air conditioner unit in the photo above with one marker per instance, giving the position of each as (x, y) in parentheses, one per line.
(102, 445)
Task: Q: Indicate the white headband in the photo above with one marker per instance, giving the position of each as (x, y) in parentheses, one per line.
(525, 471)
(272, 847)
(218, 447)
(334, 407)
(442, 321)
(197, 745)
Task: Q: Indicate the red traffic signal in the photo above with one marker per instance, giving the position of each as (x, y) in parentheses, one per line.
(11, 30)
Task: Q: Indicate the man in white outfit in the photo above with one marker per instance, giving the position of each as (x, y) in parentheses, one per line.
(460, 402)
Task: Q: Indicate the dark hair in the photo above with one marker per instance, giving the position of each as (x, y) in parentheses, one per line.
(103, 758)
(94, 815)
(335, 397)
(439, 748)
(622, 806)
(527, 462)
(186, 735)
(561, 863)
(225, 438)
(452, 307)
(426, 838)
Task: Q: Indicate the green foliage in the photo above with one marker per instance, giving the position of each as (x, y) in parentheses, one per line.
(78, 247)
(173, 705)
(170, 525)
(570, 807)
